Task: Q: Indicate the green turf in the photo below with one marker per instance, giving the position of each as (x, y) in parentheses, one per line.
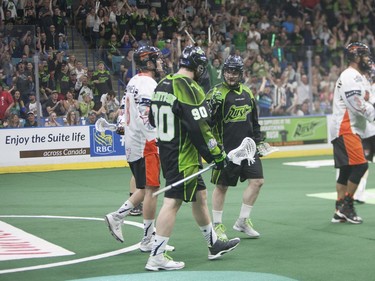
(297, 239)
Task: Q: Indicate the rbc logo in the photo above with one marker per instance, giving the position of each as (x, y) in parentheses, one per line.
(103, 142)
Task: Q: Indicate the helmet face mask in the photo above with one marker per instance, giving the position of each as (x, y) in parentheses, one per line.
(149, 58)
(194, 58)
(233, 71)
(362, 51)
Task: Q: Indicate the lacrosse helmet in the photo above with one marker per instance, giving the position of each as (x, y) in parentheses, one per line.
(361, 50)
(233, 71)
(194, 58)
(146, 54)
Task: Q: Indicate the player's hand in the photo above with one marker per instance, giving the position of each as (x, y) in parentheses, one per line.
(120, 130)
(216, 101)
(221, 160)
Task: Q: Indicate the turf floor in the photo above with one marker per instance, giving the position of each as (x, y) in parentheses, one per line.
(297, 239)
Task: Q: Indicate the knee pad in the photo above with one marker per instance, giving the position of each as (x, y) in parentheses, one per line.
(357, 172)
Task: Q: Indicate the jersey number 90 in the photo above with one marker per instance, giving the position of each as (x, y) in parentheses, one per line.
(164, 119)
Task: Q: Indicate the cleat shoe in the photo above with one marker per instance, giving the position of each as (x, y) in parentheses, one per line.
(163, 261)
(146, 245)
(246, 226)
(137, 210)
(337, 219)
(347, 211)
(220, 232)
(222, 247)
(114, 222)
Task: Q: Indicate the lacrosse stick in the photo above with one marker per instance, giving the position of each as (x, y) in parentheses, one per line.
(264, 149)
(101, 125)
(191, 38)
(246, 150)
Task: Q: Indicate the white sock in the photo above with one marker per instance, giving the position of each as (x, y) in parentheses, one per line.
(245, 211)
(125, 208)
(148, 227)
(209, 234)
(158, 247)
(217, 217)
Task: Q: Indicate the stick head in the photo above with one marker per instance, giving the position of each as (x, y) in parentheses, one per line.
(100, 124)
(246, 150)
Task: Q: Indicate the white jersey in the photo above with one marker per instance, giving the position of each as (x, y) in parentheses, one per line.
(350, 109)
(135, 105)
(370, 126)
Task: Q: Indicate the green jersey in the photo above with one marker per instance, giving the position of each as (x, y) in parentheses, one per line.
(237, 116)
(180, 114)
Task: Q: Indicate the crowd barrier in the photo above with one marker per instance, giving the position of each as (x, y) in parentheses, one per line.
(82, 147)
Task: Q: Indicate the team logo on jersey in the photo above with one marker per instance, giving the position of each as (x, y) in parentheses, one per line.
(237, 113)
(352, 93)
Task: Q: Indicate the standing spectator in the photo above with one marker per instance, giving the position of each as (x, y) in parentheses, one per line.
(188, 118)
(24, 82)
(33, 105)
(350, 112)
(70, 104)
(230, 131)
(215, 71)
(54, 105)
(169, 24)
(153, 21)
(101, 79)
(19, 106)
(82, 87)
(86, 105)
(6, 103)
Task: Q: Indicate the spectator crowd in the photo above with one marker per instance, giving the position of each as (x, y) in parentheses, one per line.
(292, 51)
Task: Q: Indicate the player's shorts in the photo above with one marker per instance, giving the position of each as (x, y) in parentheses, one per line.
(369, 148)
(348, 151)
(187, 190)
(230, 175)
(146, 171)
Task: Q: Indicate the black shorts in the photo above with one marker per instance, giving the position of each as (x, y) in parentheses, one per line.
(369, 147)
(230, 175)
(187, 190)
(146, 171)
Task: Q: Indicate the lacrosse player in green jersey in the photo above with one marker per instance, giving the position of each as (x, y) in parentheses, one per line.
(234, 117)
(180, 113)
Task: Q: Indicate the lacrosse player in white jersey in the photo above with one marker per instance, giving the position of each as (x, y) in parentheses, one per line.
(352, 109)
(140, 144)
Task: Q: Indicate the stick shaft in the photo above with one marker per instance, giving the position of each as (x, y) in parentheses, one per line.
(164, 189)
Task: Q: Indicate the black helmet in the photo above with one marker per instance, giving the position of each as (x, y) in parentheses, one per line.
(358, 49)
(233, 64)
(144, 54)
(194, 58)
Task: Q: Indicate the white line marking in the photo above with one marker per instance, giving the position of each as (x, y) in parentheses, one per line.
(56, 264)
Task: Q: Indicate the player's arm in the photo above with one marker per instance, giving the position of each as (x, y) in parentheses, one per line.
(353, 95)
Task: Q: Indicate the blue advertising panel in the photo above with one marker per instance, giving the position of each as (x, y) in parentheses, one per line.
(106, 143)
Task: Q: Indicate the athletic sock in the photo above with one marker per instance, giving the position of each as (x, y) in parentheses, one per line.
(245, 211)
(125, 208)
(148, 228)
(217, 217)
(209, 234)
(158, 247)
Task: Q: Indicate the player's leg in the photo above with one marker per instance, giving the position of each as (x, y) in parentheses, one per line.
(138, 209)
(115, 219)
(164, 226)
(222, 179)
(359, 195)
(349, 157)
(254, 175)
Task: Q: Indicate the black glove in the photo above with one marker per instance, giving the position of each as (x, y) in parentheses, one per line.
(215, 102)
(221, 160)
(120, 130)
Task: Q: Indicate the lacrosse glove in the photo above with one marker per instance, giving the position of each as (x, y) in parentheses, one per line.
(221, 160)
(216, 101)
(261, 148)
